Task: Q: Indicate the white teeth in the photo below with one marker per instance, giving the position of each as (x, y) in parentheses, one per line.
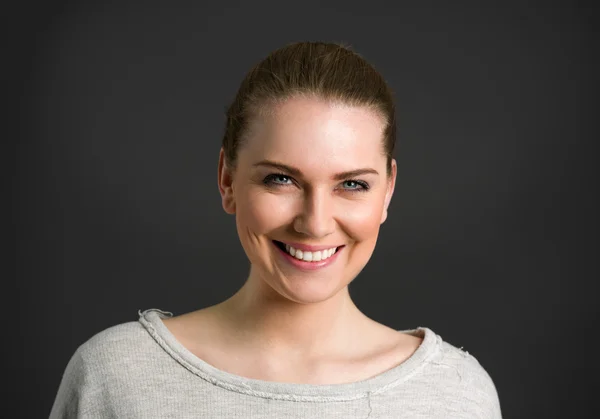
(317, 256)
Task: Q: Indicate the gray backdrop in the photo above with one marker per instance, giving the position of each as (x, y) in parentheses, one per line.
(491, 237)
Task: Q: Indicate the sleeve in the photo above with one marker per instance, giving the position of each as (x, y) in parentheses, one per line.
(493, 404)
(74, 390)
(484, 392)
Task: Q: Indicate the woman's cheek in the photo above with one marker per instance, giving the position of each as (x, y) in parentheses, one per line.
(265, 211)
(362, 219)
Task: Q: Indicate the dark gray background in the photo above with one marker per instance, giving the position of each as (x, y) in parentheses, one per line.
(491, 239)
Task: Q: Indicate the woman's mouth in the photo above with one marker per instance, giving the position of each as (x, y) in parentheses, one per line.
(308, 259)
(315, 256)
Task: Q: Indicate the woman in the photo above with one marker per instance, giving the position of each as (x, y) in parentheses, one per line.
(306, 167)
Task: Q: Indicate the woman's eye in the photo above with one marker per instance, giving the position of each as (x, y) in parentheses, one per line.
(355, 185)
(277, 179)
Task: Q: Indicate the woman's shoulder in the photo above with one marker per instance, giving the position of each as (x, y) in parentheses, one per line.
(119, 357)
(460, 373)
(122, 336)
(117, 344)
(466, 365)
(444, 380)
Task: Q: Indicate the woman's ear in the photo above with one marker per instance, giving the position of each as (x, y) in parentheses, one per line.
(390, 190)
(226, 185)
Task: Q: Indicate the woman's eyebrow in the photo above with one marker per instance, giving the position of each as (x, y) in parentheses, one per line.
(297, 172)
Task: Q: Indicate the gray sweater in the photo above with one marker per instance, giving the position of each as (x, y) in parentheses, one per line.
(139, 370)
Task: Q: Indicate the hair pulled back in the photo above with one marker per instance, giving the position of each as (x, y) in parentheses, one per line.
(323, 70)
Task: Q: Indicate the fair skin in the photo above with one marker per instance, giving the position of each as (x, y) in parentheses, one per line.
(295, 321)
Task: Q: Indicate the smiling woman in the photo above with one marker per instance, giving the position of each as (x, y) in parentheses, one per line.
(307, 170)
(311, 175)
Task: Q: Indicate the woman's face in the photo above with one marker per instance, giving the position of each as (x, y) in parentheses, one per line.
(311, 176)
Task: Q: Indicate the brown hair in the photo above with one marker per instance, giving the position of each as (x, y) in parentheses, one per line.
(326, 70)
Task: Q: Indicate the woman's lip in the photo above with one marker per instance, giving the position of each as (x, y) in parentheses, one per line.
(307, 266)
(309, 248)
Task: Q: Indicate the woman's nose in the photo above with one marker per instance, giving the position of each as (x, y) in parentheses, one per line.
(316, 216)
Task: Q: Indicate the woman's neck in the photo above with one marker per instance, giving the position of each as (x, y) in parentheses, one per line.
(262, 318)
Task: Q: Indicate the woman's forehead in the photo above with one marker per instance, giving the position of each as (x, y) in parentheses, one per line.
(315, 134)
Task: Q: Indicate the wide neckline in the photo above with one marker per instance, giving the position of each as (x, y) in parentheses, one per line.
(151, 319)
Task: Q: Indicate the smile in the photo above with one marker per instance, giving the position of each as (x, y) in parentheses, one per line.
(305, 255)
(308, 259)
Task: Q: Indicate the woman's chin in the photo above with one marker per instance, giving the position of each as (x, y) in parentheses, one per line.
(304, 291)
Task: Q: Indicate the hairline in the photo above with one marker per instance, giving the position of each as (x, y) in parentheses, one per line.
(267, 107)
